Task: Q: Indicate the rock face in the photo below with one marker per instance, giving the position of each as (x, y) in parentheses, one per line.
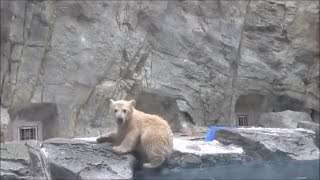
(197, 153)
(208, 54)
(312, 126)
(63, 159)
(284, 119)
(245, 145)
(298, 144)
(20, 162)
(4, 120)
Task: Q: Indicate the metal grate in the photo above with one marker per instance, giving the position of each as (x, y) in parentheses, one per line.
(27, 133)
(243, 120)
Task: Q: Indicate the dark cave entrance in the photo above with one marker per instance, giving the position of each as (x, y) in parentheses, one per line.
(164, 104)
(36, 121)
(248, 108)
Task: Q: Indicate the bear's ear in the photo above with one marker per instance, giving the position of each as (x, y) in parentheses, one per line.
(133, 103)
(111, 101)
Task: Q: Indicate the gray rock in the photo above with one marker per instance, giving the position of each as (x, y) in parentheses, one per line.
(284, 119)
(4, 120)
(308, 125)
(298, 144)
(74, 159)
(15, 12)
(18, 162)
(63, 159)
(244, 146)
(28, 75)
(312, 126)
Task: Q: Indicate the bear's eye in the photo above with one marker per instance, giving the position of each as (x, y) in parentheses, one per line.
(115, 110)
(124, 110)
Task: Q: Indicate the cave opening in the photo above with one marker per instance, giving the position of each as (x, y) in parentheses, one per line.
(36, 121)
(315, 116)
(248, 109)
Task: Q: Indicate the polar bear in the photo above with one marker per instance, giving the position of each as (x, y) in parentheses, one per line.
(149, 135)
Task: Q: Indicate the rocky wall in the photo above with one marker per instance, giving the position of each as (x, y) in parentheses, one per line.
(79, 54)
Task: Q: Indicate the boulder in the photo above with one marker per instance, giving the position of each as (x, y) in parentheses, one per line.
(198, 153)
(60, 158)
(244, 145)
(312, 126)
(18, 161)
(308, 125)
(284, 119)
(298, 144)
(80, 159)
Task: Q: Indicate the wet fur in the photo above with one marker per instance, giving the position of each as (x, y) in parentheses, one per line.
(149, 135)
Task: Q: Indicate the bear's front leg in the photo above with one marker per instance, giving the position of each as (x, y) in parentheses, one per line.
(128, 143)
(109, 137)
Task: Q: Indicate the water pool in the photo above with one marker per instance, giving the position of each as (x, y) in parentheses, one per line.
(269, 170)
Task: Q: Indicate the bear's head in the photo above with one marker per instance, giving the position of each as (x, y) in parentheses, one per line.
(122, 110)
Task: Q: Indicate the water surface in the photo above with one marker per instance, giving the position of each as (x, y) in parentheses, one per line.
(269, 170)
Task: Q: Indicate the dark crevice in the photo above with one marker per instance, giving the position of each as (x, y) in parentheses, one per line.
(235, 64)
(188, 118)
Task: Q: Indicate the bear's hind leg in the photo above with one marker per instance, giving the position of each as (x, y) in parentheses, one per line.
(155, 147)
(154, 162)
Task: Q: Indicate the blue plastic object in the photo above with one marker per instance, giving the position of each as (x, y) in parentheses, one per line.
(211, 133)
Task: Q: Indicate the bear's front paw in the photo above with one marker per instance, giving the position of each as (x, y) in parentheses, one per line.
(102, 139)
(118, 150)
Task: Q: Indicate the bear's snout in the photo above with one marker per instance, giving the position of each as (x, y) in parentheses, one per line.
(119, 120)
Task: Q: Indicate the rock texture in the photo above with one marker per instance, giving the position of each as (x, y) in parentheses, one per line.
(284, 119)
(298, 144)
(79, 54)
(312, 126)
(197, 153)
(63, 159)
(4, 122)
(76, 159)
(18, 161)
(245, 145)
(83, 158)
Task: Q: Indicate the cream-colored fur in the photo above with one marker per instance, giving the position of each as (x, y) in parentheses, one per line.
(149, 134)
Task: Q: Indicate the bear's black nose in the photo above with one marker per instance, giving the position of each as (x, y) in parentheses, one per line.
(119, 120)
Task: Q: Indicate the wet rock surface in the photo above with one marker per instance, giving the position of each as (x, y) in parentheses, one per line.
(63, 159)
(197, 153)
(245, 145)
(298, 144)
